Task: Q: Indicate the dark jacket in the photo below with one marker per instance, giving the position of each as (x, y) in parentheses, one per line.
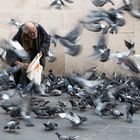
(41, 43)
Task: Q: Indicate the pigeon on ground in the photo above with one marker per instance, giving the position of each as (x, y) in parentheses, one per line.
(116, 113)
(64, 137)
(73, 103)
(129, 110)
(9, 106)
(73, 118)
(50, 125)
(12, 125)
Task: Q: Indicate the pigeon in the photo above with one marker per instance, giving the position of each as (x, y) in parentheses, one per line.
(129, 110)
(50, 125)
(15, 47)
(73, 118)
(12, 125)
(50, 56)
(101, 50)
(86, 83)
(89, 73)
(96, 27)
(9, 106)
(69, 41)
(73, 103)
(57, 4)
(112, 17)
(101, 3)
(15, 113)
(129, 64)
(101, 106)
(63, 137)
(132, 8)
(116, 113)
(62, 104)
(69, 1)
(14, 22)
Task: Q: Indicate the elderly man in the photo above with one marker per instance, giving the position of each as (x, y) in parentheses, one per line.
(35, 40)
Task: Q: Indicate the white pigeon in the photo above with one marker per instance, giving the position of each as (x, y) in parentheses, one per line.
(15, 47)
(73, 118)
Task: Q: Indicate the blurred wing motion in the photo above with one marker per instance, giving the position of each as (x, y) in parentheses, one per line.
(101, 49)
(73, 49)
(69, 41)
(71, 118)
(15, 47)
(14, 22)
(101, 3)
(51, 57)
(86, 83)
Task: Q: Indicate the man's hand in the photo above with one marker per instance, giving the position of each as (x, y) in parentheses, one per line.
(22, 65)
(40, 54)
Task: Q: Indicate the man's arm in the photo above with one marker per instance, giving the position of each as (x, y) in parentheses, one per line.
(45, 40)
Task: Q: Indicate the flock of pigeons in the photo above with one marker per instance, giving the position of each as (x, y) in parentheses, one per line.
(103, 95)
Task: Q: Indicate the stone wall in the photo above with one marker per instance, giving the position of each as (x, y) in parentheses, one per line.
(61, 22)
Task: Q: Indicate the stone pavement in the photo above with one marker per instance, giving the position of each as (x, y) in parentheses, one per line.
(96, 128)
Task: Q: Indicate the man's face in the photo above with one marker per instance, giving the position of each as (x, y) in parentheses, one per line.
(32, 33)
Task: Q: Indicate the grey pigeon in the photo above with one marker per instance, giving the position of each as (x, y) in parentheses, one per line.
(15, 47)
(100, 3)
(69, 41)
(116, 113)
(132, 7)
(73, 118)
(64, 137)
(12, 125)
(50, 125)
(101, 50)
(57, 4)
(14, 22)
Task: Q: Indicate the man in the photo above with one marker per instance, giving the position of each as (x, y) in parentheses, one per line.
(35, 40)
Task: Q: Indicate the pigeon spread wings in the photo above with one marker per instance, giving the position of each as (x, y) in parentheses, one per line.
(74, 118)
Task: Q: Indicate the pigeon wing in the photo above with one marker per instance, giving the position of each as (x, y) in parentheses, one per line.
(53, 3)
(69, 117)
(74, 34)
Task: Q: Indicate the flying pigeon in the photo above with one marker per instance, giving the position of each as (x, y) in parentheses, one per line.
(101, 3)
(100, 50)
(132, 8)
(69, 41)
(15, 47)
(14, 22)
(57, 4)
